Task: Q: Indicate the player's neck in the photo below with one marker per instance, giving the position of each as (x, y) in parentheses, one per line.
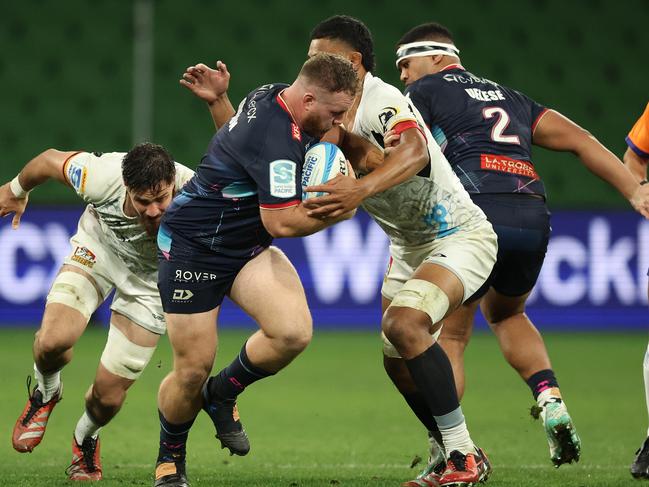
(350, 115)
(127, 208)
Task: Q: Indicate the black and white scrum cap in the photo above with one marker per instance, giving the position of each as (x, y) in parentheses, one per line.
(425, 48)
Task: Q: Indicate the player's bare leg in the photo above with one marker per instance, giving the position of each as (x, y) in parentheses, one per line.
(418, 308)
(193, 340)
(61, 327)
(507, 318)
(120, 366)
(269, 290)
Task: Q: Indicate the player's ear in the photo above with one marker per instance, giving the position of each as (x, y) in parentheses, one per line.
(308, 99)
(437, 59)
(356, 58)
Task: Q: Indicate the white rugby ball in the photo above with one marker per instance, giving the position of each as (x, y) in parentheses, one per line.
(322, 162)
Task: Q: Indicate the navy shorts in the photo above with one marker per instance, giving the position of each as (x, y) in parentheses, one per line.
(192, 278)
(522, 223)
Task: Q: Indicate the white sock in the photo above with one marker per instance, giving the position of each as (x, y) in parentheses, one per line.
(457, 438)
(548, 394)
(48, 383)
(646, 379)
(85, 427)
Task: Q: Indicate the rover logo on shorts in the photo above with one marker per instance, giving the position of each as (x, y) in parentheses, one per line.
(84, 256)
(182, 295)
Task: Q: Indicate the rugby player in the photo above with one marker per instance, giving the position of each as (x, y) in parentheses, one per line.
(215, 240)
(636, 158)
(487, 131)
(114, 248)
(442, 247)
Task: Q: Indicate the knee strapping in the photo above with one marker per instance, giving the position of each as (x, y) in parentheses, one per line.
(123, 357)
(424, 296)
(76, 291)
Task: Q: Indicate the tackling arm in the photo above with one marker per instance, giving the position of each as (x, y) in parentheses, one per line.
(403, 162)
(362, 154)
(47, 165)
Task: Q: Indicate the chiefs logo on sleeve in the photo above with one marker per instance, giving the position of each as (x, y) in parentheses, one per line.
(76, 174)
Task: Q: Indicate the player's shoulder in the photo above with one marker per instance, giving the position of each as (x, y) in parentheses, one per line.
(183, 174)
(98, 165)
(261, 108)
(375, 88)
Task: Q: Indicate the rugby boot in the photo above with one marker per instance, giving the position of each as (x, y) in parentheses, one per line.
(86, 462)
(484, 465)
(461, 470)
(170, 474)
(229, 430)
(30, 426)
(640, 466)
(564, 442)
(429, 476)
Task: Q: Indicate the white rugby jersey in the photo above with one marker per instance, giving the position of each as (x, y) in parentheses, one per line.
(97, 178)
(420, 209)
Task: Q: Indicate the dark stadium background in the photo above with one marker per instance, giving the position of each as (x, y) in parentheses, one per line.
(101, 75)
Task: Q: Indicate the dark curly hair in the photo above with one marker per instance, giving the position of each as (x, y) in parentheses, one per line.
(147, 166)
(352, 32)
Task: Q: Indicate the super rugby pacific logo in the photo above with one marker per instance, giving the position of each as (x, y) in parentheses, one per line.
(309, 164)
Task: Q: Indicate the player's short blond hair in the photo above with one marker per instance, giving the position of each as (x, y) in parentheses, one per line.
(330, 72)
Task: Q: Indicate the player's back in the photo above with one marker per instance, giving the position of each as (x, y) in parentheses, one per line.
(484, 129)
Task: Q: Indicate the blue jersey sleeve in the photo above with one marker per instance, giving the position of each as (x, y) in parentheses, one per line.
(277, 168)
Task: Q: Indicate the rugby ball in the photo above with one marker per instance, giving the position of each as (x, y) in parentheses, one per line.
(322, 162)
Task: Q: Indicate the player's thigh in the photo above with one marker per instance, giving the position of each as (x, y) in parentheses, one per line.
(268, 288)
(497, 307)
(522, 223)
(71, 300)
(137, 307)
(193, 337)
(458, 325)
(468, 257)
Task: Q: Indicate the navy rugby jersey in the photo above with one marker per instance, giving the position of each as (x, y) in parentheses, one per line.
(484, 129)
(253, 161)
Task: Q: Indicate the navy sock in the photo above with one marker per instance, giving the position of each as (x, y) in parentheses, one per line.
(542, 380)
(173, 440)
(418, 404)
(232, 380)
(432, 373)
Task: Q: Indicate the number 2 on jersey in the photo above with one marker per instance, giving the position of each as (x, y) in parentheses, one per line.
(502, 122)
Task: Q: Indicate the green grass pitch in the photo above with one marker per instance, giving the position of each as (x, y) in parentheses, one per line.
(333, 419)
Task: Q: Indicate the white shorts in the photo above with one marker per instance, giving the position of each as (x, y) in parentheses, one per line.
(136, 295)
(469, 254)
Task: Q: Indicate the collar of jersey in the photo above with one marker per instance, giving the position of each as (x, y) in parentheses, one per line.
(282, 103)
(452, 66)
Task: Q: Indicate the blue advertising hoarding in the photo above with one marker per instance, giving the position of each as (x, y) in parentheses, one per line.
(594, 276)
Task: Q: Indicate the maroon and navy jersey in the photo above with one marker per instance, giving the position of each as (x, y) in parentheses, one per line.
(253, 161)
(484, 129)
